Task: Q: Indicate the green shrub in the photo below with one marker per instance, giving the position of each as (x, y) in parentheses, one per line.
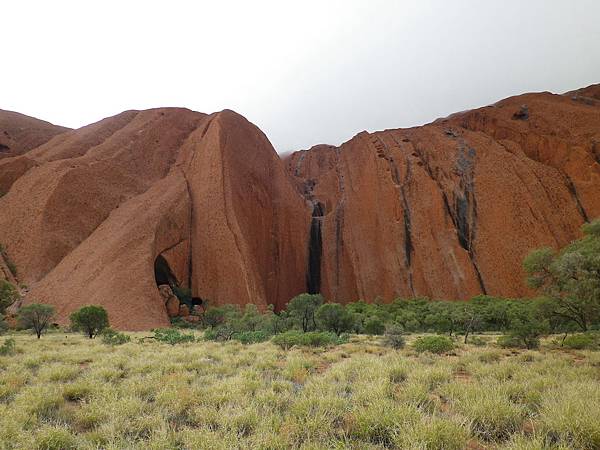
(222, 332)
(508, 341)
(172, 336)
(394, 336)
(527, 332)
(433, 344)
(581, 341)
(90, 319)
(311, 339)
(374, 326)
(218, 315)
(225, 333)
(334, 317)
(113, 337)
(8, 347)
(251, 337)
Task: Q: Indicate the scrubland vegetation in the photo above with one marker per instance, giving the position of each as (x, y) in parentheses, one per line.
(67, 391)
(412, 374)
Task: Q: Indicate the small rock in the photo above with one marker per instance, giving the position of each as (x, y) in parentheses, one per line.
(184, 310)
(173, 306)
(522, 113)
(165, 292)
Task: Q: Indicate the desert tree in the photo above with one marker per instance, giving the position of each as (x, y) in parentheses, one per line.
(91, 320)
(570, 278)
(36, 316)
(302, 308)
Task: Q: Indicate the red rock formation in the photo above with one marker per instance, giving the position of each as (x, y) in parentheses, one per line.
(249, 224)
(88, 218)
(105, 213)
(449, 209)
(20, 133)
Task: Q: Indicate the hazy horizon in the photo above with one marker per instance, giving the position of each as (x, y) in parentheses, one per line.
(305, 74)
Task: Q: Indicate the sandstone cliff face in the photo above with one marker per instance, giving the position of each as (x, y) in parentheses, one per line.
(449, 209)
(107, 213)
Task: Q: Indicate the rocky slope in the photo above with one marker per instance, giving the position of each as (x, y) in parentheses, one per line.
(20, 133)
(106, 213)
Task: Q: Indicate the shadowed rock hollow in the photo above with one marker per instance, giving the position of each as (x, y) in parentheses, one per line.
(446, 210)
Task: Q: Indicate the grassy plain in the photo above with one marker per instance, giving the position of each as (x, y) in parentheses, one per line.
(65, 391)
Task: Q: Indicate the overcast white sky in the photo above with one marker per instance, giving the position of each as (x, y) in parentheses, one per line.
(305, 72)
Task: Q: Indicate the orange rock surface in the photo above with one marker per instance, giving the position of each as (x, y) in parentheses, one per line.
(450, 209)
(106, 213)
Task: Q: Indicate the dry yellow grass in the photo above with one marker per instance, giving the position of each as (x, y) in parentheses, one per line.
(65, 391)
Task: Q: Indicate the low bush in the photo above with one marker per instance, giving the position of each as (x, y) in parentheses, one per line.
(172, 336)
(251, 337)
(582, 341)
(311, 339)
(223, 332)
(433, 344)
(508, 341)
(374, 326)
(113, 337)
(8, 347)
(394, 336)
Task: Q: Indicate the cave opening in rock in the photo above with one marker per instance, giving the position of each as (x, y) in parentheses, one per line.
(163, 273)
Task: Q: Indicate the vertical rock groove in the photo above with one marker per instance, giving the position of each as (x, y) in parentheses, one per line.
(382, 151)
(573, 192)
(465, 205)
